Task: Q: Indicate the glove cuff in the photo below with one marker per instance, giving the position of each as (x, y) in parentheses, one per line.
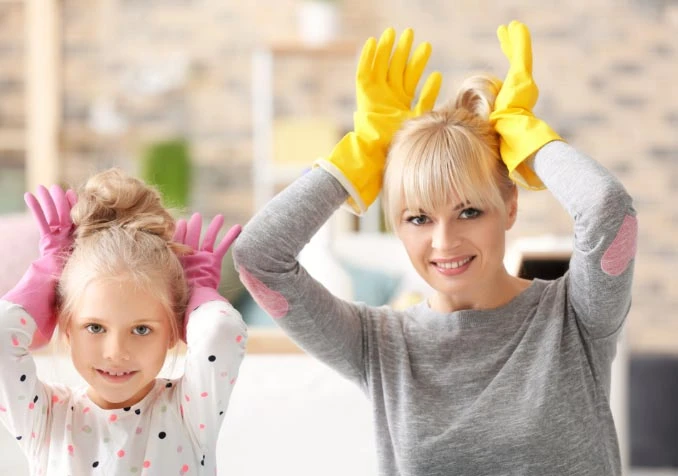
(358, 169)
(199, 296)
(36, 293)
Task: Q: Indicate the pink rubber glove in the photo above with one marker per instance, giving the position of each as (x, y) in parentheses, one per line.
(203, 267)
(36, 292)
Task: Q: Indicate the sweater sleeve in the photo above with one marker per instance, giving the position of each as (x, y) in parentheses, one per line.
(24, 400)
(266, 253)
(216, 337)
(605, 234)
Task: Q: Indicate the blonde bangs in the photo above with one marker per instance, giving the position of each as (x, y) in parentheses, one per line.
(434, 163)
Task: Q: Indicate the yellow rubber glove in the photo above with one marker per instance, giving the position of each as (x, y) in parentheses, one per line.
(521, 133)
(385, 89)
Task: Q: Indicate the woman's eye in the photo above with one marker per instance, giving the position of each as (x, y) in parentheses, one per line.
(95, 328)
(418, 220)
(470, 213)
(142, 330)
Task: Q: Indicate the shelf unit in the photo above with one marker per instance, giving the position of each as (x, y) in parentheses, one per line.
(267, 174)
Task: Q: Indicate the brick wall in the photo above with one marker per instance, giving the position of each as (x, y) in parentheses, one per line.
(606, 71)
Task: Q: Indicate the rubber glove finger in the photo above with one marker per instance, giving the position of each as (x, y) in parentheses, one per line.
(211, 234)
(194, 230)
(396, 70)
(383, 55)
(505, 42)
(62, 206)
(416, 66)
(521, 45)
(366, 59)
(48, 208)
(36, 211)
(429, 93)
(228, 239)
(180, 232)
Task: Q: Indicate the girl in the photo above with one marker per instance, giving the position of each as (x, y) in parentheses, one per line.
(123, 292)
(494, 374)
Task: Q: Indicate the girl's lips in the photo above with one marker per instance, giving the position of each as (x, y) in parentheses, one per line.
(116, 376)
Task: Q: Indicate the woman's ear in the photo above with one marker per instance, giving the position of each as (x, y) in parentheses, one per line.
(512, 207)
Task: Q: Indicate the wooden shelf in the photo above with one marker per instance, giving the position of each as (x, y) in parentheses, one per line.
(293, 47)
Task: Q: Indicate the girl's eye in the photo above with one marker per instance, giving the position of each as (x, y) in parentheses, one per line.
(468, 213)
(95, 328)
(418, 220)
(142, 330)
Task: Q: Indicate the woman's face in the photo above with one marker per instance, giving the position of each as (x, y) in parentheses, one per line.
(459, 250)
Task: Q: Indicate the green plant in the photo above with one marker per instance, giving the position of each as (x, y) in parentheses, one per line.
(167, 165)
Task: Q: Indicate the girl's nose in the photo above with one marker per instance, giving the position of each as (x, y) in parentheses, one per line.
(116, 347)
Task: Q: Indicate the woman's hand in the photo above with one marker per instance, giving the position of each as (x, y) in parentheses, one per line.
(521, 133)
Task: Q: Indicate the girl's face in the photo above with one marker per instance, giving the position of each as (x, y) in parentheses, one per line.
(119, 337)
(459, 251)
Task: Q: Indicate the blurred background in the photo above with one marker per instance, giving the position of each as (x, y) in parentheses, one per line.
(221, 103)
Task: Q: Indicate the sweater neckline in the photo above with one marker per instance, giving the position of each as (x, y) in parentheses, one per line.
(464, 318)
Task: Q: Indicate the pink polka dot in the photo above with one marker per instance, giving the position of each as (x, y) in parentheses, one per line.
(203, 394)
(55, 399)
(184, 468)
(622, 250)
(139, 430)
(271, 301)
(85, 410)
(70, 449)
(232, 381)
(121, 453)
(238, 339)
(147, 464)
(2, 409)
(22, 321)
(188, 399)
(202, 426)
(15, 341)
(32, 434)
(31, 405)
(113, 418)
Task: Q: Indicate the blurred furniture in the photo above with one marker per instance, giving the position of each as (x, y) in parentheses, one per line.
(653, 411)
(300, 140)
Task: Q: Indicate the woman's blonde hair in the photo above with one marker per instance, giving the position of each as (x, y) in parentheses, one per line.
(124, 233)
(448, 154)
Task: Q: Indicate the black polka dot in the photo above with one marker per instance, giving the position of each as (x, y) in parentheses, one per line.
(221, 412)
(127, 409)
(162, 435)
(212, 358)
(35, 399)
(19, 437)
(95, 464)
(72, 408)
(168, 385)
(137, 411)
(22, 378)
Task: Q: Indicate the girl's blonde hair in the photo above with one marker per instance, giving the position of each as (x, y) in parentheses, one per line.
(448, 154)
(124, 233)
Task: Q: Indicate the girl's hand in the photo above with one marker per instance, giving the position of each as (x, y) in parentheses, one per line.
(52, 212)
(203, 266)
(36, 292)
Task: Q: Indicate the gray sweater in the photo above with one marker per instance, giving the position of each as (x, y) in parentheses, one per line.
(522, 389)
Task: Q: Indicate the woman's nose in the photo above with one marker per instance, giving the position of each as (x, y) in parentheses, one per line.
(445, 237)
